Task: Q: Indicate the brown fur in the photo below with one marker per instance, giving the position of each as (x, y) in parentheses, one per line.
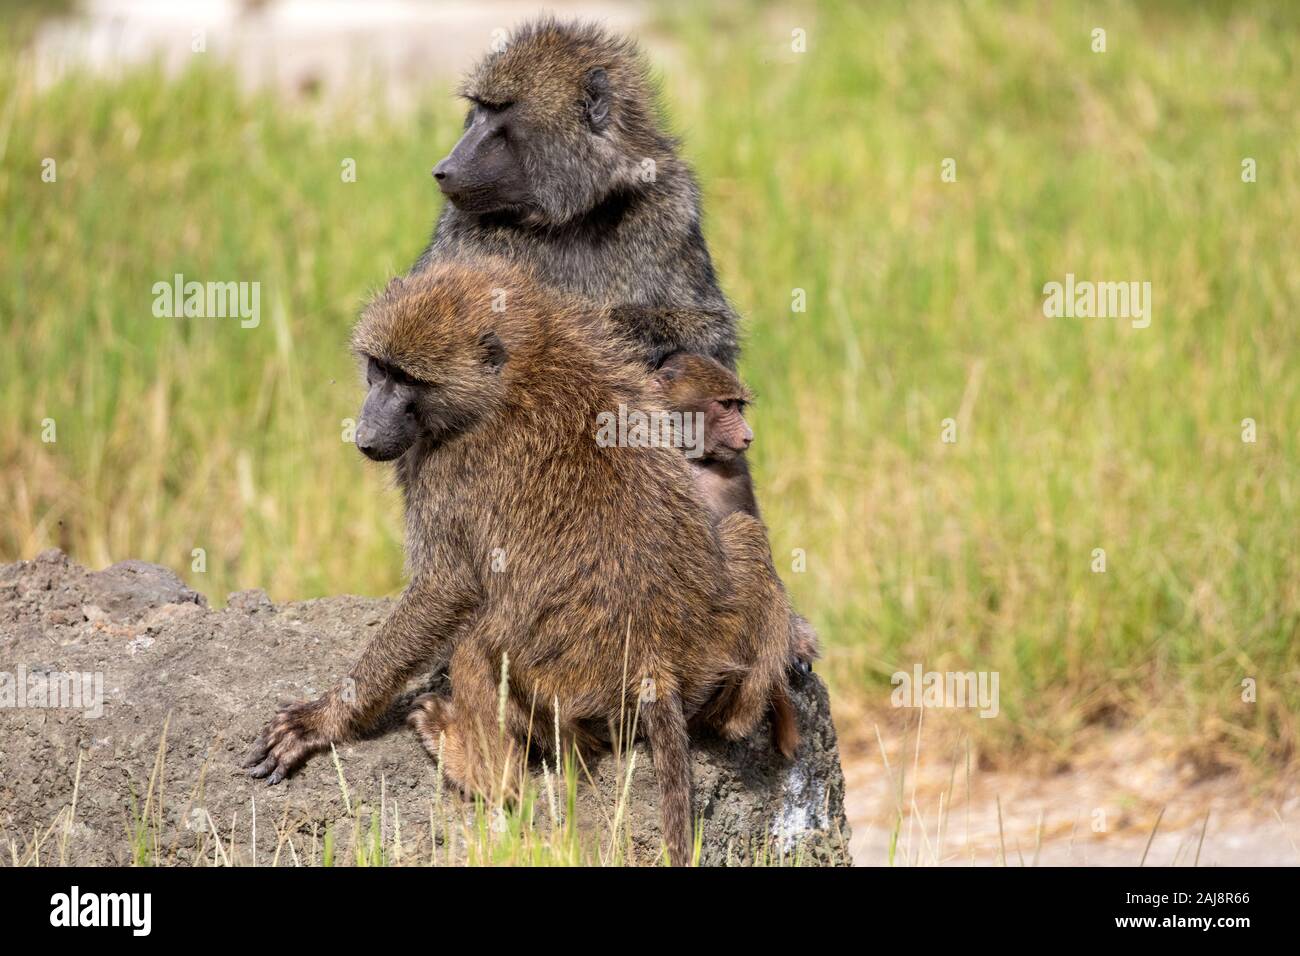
(617, 585)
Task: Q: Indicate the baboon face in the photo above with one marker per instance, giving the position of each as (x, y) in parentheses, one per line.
(484, 172)
(389, 422)
(559, 119)
(698, 384)
(399, 408)
(726, 433)
(432, 357)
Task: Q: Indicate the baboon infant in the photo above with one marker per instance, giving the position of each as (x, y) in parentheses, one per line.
(700, 386)
(591, 575)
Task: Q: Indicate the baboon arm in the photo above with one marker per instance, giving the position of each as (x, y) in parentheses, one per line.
(427, 614)
(664, 331)
(425, 618)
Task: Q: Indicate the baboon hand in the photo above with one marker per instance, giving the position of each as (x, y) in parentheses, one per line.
(289, 739)
(804, 645)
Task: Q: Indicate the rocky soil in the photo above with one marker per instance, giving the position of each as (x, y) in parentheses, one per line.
(176, 691)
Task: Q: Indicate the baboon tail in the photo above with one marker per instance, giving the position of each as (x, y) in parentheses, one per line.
(785, 733)
(665, 728)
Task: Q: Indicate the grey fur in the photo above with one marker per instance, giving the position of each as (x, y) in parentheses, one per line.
(596, 228)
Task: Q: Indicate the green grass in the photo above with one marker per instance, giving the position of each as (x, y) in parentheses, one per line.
(821, 171)
(537, 824)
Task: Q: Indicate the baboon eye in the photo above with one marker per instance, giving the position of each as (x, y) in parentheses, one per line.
(401, 377)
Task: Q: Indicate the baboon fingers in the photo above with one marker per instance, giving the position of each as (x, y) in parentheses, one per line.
(281, 765)
(257, 753)
(264, 767)
(288, 740)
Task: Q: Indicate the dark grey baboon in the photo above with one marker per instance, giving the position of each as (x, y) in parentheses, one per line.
(565, 166)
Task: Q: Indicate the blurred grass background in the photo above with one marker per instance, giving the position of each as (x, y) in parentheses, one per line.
(821, 171)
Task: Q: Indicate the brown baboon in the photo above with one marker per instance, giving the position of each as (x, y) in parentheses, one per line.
(590, 574)
(697, 385)
(564, 167)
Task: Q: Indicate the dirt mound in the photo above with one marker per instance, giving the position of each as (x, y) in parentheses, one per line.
(95, 665)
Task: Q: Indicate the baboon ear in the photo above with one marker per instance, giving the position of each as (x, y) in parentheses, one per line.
(494, 351)
(596, 97)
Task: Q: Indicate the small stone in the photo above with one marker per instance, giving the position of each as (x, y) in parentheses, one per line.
(64, 617)
(140, 643)
(250, 601)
